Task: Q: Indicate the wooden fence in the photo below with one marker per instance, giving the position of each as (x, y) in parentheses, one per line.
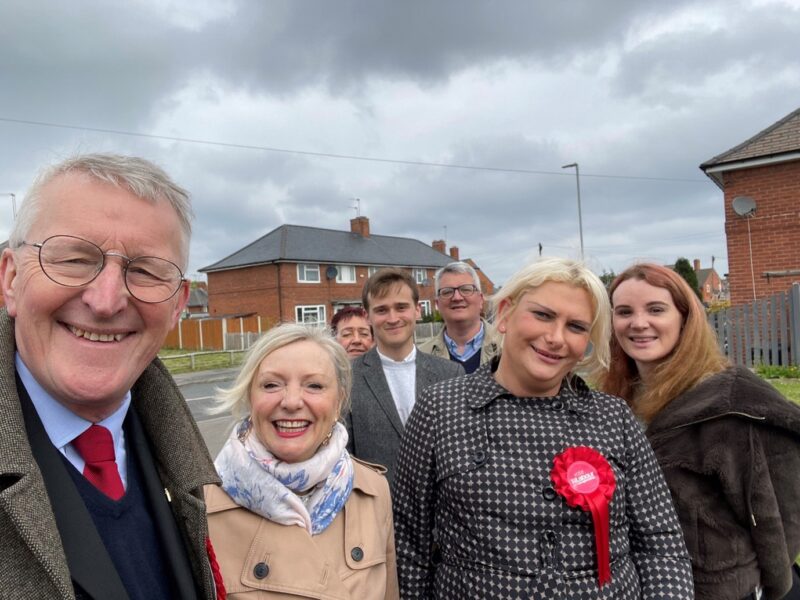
(764, 332)
(237, 333)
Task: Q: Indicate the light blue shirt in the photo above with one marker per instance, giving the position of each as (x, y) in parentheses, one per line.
(471, 348)
(62, 425)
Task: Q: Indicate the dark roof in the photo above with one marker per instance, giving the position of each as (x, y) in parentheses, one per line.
(198, 297)
(297, 243)
(702, 275)
(778, 138)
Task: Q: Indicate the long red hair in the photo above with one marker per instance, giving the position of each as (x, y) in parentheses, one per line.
(695, 356)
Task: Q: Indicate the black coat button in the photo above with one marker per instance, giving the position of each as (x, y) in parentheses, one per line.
(557, 405)
(549, 493)
(479, 457)
(261, 570)
(357, 554)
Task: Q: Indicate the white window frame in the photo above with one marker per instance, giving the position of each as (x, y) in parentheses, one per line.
(425, 308)
(372, 270)
(301, 311)
(419, 275)
(305, 269)
(340, 271)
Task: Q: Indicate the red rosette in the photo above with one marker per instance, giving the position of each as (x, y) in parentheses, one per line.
(583, 477)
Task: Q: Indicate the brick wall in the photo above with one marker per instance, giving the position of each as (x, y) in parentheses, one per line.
(774, 229)
(274, 292)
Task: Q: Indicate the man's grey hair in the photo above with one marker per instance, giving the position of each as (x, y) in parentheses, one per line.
(459, 268)
(137, 175)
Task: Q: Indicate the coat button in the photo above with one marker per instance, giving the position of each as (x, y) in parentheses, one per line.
(557, 404)
(479, 457)
(549, 493)
(261, 570)
(357, 554)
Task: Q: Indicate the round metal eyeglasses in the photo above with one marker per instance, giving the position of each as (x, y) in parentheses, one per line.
(465, 290)
(74, 262)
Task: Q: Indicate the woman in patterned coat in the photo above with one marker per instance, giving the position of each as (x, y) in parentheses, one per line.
(479, 511)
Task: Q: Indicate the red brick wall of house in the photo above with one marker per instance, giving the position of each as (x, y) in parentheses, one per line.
(774, 229)
(256, 289)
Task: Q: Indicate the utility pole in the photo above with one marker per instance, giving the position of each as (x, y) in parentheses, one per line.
(580, 216)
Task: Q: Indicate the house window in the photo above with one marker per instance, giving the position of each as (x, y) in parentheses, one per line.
(346, 274)
(311, 315)
(419, 275)
(372, 270)
(307, 273)
(425, 307)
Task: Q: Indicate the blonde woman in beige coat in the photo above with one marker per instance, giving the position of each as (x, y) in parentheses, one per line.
(297, 516)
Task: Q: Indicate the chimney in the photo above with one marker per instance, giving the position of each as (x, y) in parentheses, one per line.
(360, 225)
(438, 245)
(454, 252)
(696, 265)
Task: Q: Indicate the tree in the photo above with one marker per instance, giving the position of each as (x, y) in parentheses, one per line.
(608, 277)
(684, 268)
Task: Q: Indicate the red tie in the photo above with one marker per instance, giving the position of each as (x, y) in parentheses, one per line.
(96, 447)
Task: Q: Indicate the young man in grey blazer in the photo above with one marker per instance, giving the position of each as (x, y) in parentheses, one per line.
(387, 379)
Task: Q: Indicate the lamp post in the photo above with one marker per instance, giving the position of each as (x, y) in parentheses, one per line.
(580, 216)
(13, 203)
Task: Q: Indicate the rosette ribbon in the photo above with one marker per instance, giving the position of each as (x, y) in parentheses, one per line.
(585, 480)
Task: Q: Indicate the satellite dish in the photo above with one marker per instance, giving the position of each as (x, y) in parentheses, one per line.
(744, 206)
(331, 272)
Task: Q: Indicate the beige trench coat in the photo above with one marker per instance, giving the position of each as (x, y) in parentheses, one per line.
(353, 559)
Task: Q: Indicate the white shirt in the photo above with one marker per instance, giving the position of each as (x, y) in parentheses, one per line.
(402, 379)
(62, 425)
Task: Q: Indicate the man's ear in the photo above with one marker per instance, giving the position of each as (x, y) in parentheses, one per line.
(183, 300)
(8, 275)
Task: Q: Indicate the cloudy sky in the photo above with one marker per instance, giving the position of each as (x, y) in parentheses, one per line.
(444, 117)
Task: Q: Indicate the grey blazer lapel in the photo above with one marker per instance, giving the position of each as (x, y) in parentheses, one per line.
(426, 376)
(376, 381)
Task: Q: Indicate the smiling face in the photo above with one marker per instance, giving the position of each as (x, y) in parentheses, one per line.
(355, 336)
(459, 309)
(294, 400)
(546, 333)
(87, 345)
(393, 319)
(647, 324)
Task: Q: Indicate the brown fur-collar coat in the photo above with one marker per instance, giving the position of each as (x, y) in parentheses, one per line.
(730, 451)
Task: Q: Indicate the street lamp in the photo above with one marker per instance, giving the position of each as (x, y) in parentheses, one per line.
(13, 203)
(580, 217)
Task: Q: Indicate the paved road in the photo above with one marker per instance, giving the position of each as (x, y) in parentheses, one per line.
(198, 389)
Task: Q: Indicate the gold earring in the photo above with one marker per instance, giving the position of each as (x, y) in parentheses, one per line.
(327, 439)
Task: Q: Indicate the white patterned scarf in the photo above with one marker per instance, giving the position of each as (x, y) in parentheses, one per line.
(261, 483)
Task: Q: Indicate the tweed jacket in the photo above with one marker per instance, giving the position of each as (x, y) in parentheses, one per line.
(730, 451)
(373, 423)
(33, 564)
(473, 479)
(489, 349)
(352, 559)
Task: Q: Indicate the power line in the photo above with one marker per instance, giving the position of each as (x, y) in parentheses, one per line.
(396, 161)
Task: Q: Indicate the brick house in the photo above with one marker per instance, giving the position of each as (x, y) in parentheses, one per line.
(764, 172)
(306, 274)
(709, 283)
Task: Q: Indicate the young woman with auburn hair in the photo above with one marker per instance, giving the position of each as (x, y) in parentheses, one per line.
(728, 442)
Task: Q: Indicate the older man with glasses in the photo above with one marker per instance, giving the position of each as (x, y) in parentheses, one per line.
(101, 464)
(466, 337)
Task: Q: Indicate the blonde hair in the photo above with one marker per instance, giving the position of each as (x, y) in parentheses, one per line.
(695, 356)
(564, 270)
(236, 398)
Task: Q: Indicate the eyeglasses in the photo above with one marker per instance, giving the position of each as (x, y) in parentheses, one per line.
(465, 290)
(74, 262)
